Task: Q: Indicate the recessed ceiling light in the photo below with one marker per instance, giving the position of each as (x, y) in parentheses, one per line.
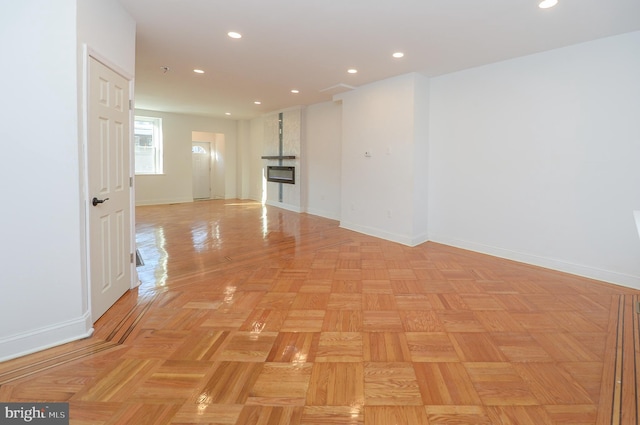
(257, 102)
(545, 4)
(398, 55)
(198, 71)
(227, 113)
(295, 91)
(234, 34)
(352, 71)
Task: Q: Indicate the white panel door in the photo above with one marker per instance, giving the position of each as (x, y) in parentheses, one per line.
(201, 160)
(108, 161)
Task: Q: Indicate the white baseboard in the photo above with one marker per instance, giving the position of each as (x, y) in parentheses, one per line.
(382, 234)
(324, 214)
(288, 207)
(46, 337)
(608, 276)
(144, 202)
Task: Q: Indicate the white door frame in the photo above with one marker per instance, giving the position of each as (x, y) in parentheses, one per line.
(84, 171)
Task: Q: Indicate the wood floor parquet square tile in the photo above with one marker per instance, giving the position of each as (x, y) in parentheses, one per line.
(346, 286)
(310, 301)
(421, 321)
(573, 321)
(226, 320)
(345, 302)
(144, 413)
(317, 286)
(447, 301)
(457, 415)
(517, 415)
(572, 414)
(481, 302)
(498, 321)
(202, 344)
(303, 321)
(93, 412)
(340, 347)
(287, 285)
(276, 301)
(294, 347)
(380, 321)
(414, 302)
(270, 415)
(397, 415)
(390, 384)
(552, 384)
(445, 384)
(437, 287)
(283, 384)
(500, 384)
(476, 347)
(343, 321)
(460, 321)
(229, 383)
(118, 382)
(333, 415)
(336, 384)
(378, 302)
(376, 286)
(408, 287)
(520, 347)
(248, 346)
(173, 382)
(285, 318)
(565, 347)
(386, 347)
(264, 321)
(431, 347)
(588, 375)
(205, 413)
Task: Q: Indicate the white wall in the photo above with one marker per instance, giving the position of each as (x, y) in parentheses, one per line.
(43, 285)
(322, 159)
(257, 184)
(175, 185)
(537, 159)
(244, 159)
(378, 192)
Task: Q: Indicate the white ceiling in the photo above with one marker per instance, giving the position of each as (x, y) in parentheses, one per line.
(309, 45)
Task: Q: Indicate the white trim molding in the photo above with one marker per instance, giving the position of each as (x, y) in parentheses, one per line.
(46, 337)
(608, 276)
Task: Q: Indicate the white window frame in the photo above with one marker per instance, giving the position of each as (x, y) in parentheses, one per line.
(156, 146)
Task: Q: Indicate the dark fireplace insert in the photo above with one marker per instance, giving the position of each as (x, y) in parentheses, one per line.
(281, 174)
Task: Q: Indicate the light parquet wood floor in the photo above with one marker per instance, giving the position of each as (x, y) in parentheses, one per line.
(254, 315)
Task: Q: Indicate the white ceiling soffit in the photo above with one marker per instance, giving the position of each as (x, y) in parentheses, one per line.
(309, 45)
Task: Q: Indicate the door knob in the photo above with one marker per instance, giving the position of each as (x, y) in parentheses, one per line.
(96, 201)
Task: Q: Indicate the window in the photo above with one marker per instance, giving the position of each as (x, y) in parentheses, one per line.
(147, 132)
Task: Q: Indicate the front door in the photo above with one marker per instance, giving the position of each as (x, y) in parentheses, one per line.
(108, 163)
(201, 166)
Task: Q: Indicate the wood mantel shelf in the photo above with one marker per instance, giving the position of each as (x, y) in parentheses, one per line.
(278, 157)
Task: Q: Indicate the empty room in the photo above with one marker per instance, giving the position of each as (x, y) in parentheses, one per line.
(348, 212)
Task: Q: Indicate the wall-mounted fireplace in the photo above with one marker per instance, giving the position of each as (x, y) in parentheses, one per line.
(281, 174)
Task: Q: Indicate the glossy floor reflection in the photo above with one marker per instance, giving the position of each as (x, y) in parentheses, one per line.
(255, 315)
